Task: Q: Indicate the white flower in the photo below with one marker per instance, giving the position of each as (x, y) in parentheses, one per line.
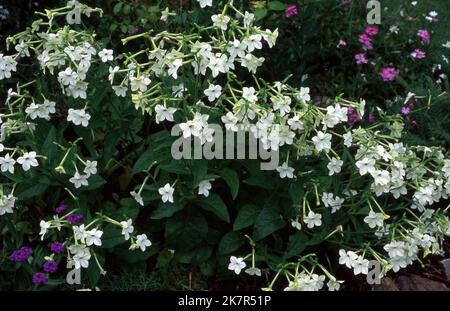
(120, 91)
(295, 123)
(204, 187)
(360, 266)
(296, 224)
(79, 180)
(178, 90)
(347, 258)
(143, 242)
(166, 193)
(78, 117)
(251, 62)
(140, 83)
(334, 166)
(220, 21)
(313, 220)
(137, 197)
(91, 168)
(80, 233)
(365, 165)
(348, 139)
(213, 92)
(374, 219)
(282, 104)
(236, 264)
(303, 95)
(28, 160)
(248, 19)
(164, 113)
(285, 171)
(334, 285)
(45, 225)
(81, 256)
(253, 271)
(127, 228)
(253, 42)
(204, 3)
(230, 121)
(93, 237)
(446, 45)
(7, 164)
(68, 77)
(106, 55)
(395, 249)
(248, 93)
(322, 141)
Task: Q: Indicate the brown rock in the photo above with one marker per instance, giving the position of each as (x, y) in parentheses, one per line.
(387, 284)
(418, 283)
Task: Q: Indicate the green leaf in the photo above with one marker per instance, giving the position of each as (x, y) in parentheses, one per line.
(261, 182)
(260, 13)
(35, 189)
(134, 256)
(214, 204)
(246, 216)
(232, 180)
(199, 171)
(185, 230)
(126, 9)
(112, 236)
(297, 243)
(117, 8)
(166, 210)
(231, 242)
(267, 222)
(95, 181)
(277, 5)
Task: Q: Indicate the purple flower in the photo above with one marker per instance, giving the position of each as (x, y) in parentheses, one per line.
(352, 116)
(57, 247)
(40, 278)
(424, 36)
(60, 209)
(419, 54)
(413, 123)
(361, 58)
(21, 254)
(74, 218)
(366, 42)
(50, 266)
(406, 110)
(372, 118)
(389, 73)
(291, 11)
(371, 30)
(341, 43)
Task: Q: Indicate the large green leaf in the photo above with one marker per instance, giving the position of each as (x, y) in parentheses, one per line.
(231, 242)
(246, 216)
(214, 204)
(185, 230)
(232, 180)
(267, 222)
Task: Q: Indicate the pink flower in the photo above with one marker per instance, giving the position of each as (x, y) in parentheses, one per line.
(371, 30)
(291, 11)
(389, 73)
(371, 118)
(424, 36)
(419, 54)
(361, 58)
(341, 43)
(406, 110)
(365, 41)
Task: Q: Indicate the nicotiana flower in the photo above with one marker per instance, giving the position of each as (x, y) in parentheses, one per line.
(143, 242)
(253, 271)
(81, 255)
(78, 117)
(28, 160)
(93, 237)
(204, 187)
(313, 220)
(322, 141)
(374, 219)
(137, 197)
(334, 166)
(166, 193)
(90, 168)
(164, 113)
(236, 264)
(7, 164)
(347, 258)
(204, 3)
(106, 55)
(213, 92)
(360, 265)
(140, 83)
(127, 228)
(45, 225)
(79, 180)
(285, 171)
(296, 224)
(230, 121)
(220, 21)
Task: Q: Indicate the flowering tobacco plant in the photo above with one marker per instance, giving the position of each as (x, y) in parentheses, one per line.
(87, 161)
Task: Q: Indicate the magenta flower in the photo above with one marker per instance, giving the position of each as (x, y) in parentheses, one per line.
(341, 43)
(371, 118)
(291, 11)
(50, 266)
(366, 42)
(40, 278)
(389, 73)
(406, 110)
(424, 36)
(371, 30)
(419, 54)
(60, 209)
(361, 58)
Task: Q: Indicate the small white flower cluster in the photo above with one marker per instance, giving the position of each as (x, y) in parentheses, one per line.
(7, 65)
(79, 180)
(27, 160)
(7, 203)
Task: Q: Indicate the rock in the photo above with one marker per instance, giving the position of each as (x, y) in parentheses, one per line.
(446, 264)
(418, 283)
(387, 284)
